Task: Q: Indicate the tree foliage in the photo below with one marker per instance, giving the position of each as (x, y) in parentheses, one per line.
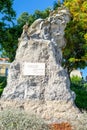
(6, 11)
(3, 82)
(56, 4)
(75, 53)
(7, 15)
(23, 18)
(30, 18)
(79, 86)
(10, 42)
(42, 14)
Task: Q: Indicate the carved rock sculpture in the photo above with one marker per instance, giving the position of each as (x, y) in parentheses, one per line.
(48, 95)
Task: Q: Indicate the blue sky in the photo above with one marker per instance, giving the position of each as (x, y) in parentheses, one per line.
(84, 72)
(30, 6)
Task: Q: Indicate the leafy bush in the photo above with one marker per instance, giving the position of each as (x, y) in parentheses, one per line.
(76, 80)
(85, 85)
(79, 87)
(19, 120)
(3, 82)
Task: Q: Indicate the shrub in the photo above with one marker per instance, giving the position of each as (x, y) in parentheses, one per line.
(79, 87)
(1, 90)
(19, 120)
(76, 80)
(3, 82)
(85, 85)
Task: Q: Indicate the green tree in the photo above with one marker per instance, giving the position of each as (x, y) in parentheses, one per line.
(7, 15)
(42, 14)
(10, 42)
(30, 18)
(79, 86)
(3, 82)
(23, 18)
(75, 53)
(56, 4)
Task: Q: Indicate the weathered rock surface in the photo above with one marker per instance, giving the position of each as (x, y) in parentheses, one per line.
(41, 43)
(54, 85)
(49, 95)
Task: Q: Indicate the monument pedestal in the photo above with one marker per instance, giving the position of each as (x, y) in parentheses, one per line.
(37, 74)
(37, 82)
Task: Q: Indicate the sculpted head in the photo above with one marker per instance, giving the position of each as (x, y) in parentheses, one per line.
(52, 28)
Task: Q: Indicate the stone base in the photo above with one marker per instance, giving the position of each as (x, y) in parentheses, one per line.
(51, 111)
(48, 110)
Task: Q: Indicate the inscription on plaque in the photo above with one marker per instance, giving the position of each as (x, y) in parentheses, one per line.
(34, 69)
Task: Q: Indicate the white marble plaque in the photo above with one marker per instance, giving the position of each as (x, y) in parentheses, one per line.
(34, 69)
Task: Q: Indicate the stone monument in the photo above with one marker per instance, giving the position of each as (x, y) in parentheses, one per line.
(36, 78)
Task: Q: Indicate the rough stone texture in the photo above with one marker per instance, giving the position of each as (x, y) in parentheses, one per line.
(48, 96)
(53, 86)
(50, 111)
(42, 43)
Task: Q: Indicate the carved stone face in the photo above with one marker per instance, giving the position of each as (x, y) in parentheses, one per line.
(57, 31)
(54, 31)
(45, 32)
(49, 29)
